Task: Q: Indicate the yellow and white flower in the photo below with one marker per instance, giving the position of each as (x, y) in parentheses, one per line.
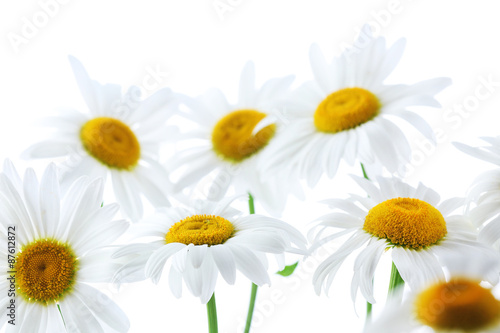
(60, 246)
(204, 240)
(411, 222)
(461, 303)
(120, 135)
(230, 138)
(485, 192)
(347, 113)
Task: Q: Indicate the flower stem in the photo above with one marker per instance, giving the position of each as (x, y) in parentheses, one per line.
(212, 315)
(253, 294)
(364, 171)
(368, 304)
(251, 206)
(251, 306)
(395, 281)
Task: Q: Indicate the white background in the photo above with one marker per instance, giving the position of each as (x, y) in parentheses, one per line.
(198, 47)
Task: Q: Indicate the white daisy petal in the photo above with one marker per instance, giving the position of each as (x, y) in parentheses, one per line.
(175, 281)
(123, 186)
(318, 64)
(48, 149)
(490, 234)
(247, 84)
(367, 266)
(93, 220)
(103, 308)
(50, 200)
(156, 261)
(392, 58)
(210, 274)
(78, 317)
(224, 260)
(100, 235)
(151, 105)
(54, 321)
(34, 312)
(248, 263)
(196, 254)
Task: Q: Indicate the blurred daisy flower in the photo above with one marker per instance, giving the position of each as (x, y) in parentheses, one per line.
(60, 246)
(204, 240)
(230, 138)
(461, 303)
(347, 112)
(120, 135)
(411, 222)
(485, 191)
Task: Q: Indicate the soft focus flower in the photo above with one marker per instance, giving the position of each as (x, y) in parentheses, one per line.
(60, 246)
(230, 138)
(461, 303)
(485, 192)
(120, 135)
(347, 112)
(204, 240)
(411, 222)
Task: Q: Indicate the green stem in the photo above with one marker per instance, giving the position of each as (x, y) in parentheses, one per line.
(251, 307)
(368, 311)
(251, 206)
(253, 294)
(60, 312)
(212, 315)
(396, 280)
(364, 171)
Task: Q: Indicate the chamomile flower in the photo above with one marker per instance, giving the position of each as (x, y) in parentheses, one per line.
(460, 303)
(204, 240)
(119, 136)
(485, 191)
(58, 244)
(347, 112)
(230, 138)
(411, 222)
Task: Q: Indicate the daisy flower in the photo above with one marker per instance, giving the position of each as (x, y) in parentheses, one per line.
(230, 138)
(347, 112)
(57, 245)
(411, 222)
(485, 191)
(119, 135)
(460, 303)
(204, 240)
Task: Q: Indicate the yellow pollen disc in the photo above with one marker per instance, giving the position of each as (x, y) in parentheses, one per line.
(111, 142)
(200, 229)
(406, 222)
(346, 109)
(460, 304)
(45, 270)
(232, 136)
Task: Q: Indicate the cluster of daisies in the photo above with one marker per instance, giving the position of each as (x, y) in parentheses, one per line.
(446, 252)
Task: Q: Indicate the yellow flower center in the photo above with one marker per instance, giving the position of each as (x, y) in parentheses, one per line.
(346, 109)
(233, 136)
(45, 270)
(460, 304)
(199, 230)
(111, 142)
(406, 222)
